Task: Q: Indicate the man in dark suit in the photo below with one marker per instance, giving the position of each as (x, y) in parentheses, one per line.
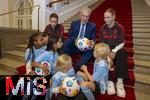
(80, 29)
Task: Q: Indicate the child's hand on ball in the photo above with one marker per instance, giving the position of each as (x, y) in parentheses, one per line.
(62, 90)
(76, 42)
(45, 69)
(84, 84)
(91, 43)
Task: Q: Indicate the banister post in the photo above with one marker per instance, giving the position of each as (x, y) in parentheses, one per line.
(40, 14)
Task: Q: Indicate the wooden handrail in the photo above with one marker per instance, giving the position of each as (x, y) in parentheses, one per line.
(19, 10)
(51, 3)
(24, 9)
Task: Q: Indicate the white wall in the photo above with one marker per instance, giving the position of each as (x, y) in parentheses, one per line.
(4, 20)
(42, 14)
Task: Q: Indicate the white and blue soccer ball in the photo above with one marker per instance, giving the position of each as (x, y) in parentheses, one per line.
(83, 44)
(71, 85)
(39, 71)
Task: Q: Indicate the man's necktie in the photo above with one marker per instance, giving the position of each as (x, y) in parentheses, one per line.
(81, 34)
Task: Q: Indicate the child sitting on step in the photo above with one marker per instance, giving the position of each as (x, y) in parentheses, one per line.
(50, 55)
(34, 48)
(98, 80)
(64, 69)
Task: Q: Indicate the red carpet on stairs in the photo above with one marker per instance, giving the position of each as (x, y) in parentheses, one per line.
(123, 16)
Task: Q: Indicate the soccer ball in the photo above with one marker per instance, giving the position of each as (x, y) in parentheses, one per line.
(83, 44)
(71, 85)
(39, 71)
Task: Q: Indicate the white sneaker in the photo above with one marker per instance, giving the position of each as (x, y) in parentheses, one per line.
(110, 88)
(120, 90)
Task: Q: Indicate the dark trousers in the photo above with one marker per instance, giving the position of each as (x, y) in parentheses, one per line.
(80, 96)
(121, 64)
(70, 49)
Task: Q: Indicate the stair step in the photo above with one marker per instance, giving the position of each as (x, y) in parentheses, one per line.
(4, 71)
(10, 65)
(137, 18)
(144, 48)
(16, 55)
(66, 25)
(142, 78)
(139, 13)
(142, 70)
(140, 16)
(145, 7)
(68, 22)
(141, 35)
(142, 91)
(144, 52)
(13, 64)
(26, 41)
(141, 26)
(146, 30)
(66, 28)
(141, 30)
(76, 17)
(140, 4)
(147, 24)
(146, 13)
(26, 36)
(140, 10)
(141, 57)
(141, 44)
(141, 40)
(142, 63)
(21, 47)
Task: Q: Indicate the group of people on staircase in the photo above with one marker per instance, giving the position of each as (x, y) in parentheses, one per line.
(108, 51)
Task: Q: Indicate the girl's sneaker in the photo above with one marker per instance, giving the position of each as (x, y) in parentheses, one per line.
(110, 88)
(120, 90)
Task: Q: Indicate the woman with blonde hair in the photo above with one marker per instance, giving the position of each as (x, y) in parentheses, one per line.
(113, 34)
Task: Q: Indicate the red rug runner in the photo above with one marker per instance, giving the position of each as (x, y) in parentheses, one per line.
(123, 10)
